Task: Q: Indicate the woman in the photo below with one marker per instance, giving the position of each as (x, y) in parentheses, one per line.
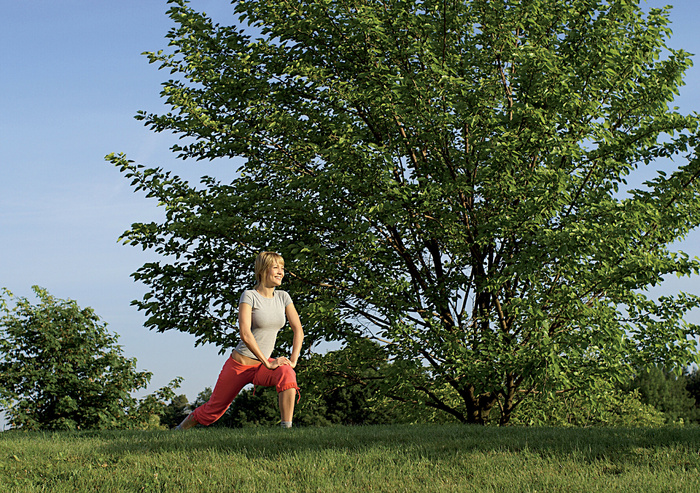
(262, 312)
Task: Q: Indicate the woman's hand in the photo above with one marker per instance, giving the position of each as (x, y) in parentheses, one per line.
(277, 362)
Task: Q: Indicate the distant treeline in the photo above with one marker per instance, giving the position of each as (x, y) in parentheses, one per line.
(335, 391)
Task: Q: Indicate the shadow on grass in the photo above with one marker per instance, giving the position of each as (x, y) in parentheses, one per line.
(429, 441)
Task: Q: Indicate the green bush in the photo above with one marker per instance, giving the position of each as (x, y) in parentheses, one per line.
(61, 369)
(608, 406)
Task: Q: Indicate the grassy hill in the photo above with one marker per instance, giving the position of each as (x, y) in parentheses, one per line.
(374, 458)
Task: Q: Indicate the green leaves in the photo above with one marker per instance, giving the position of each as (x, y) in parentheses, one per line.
(448, 179)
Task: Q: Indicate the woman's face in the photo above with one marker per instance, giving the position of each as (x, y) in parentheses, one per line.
(274, 275)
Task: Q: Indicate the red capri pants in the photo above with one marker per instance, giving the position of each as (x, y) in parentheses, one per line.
(233, 377)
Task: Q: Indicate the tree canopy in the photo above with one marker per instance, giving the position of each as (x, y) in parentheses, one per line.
(485, 188)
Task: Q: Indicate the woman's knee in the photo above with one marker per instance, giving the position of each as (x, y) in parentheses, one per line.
(288, 373)
(287, 378)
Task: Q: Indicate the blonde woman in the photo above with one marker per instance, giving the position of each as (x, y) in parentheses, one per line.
(262, 312)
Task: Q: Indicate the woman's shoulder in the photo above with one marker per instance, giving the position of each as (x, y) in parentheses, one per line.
(247, 296)
(284, 296)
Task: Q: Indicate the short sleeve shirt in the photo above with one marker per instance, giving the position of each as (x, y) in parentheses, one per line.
(268, 317)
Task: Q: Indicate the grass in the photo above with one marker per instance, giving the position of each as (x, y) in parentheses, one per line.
(374, 458)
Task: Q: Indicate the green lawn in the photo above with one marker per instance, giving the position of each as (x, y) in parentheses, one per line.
(373, 458)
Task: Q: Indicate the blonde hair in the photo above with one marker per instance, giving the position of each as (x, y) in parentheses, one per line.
(263, 262)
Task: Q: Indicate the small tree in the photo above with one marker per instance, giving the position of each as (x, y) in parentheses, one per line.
(666, 391)
(175, 411)
(153, 411)
(60, 369)
(693, 388)
(251, 407)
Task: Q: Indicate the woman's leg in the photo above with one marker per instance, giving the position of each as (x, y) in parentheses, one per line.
(233, 377)
(284, 379)
(286, 401)
(187, 423)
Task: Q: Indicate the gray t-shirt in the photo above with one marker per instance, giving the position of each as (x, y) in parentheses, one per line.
(268, 318)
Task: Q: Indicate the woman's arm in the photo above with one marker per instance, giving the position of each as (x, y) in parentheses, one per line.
(295, 324)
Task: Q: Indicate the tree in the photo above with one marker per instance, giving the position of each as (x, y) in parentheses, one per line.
(666, 391)
(60, 369)
(456, 180)
(347, 386)
(693, 389)
(152, 411)
(251, 407)
(176, 411)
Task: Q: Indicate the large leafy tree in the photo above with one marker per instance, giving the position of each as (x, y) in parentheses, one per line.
(487, 188)
(60, 369)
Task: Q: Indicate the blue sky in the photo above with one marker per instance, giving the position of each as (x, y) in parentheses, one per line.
(71, 79)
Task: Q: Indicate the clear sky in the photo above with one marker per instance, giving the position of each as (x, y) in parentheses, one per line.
(71, 79)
